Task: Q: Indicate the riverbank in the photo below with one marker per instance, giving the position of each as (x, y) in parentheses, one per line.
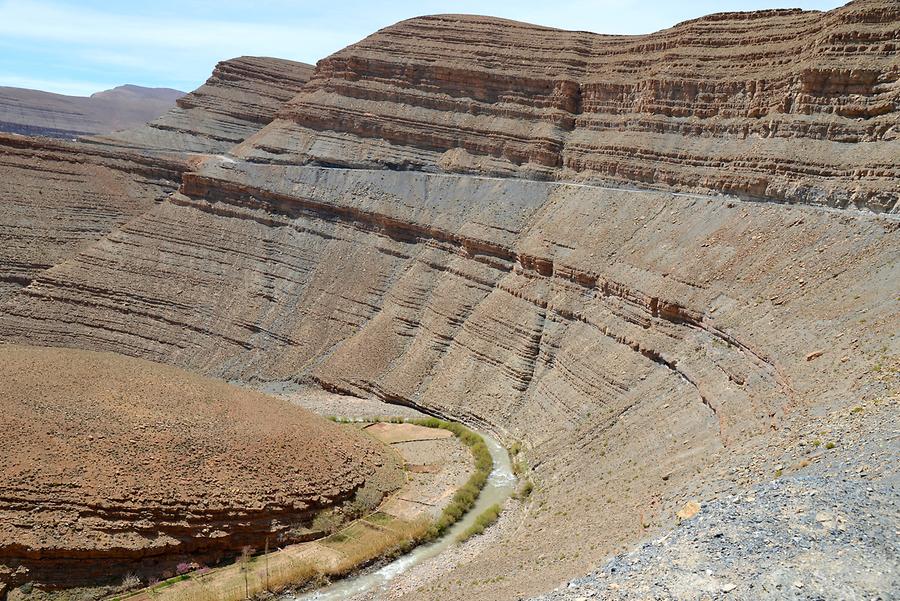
(440, 477)
(380, 583)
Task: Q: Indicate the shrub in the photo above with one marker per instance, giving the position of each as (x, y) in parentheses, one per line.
(487, 517)
(525, 491)
(465, 497)
(519, 467)
(327, 520)
(184, 568)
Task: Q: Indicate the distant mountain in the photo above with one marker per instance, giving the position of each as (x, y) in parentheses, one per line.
(38, 113)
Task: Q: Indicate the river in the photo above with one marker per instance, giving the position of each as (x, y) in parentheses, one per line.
(500, 485)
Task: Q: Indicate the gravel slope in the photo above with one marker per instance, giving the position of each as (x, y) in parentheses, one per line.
(823, 526)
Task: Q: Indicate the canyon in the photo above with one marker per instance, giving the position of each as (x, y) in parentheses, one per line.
(643, 259)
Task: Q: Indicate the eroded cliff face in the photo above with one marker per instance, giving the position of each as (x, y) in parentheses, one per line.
(782, 104)
(630, 338)
(60, 197)
(240, 97)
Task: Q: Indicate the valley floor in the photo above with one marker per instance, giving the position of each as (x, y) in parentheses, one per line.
(807, 512)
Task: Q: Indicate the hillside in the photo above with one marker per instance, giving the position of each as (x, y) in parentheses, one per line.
(781, 104)
(660, 264)
(112, 465)
(241, 96)
(37, 113)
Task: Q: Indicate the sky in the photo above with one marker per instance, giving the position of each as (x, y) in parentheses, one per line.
(81, 47)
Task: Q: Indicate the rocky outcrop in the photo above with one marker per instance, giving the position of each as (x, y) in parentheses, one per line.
(782, 104)
(37, 113)
(60, 197)
(114, 465)
(652, 330)
(242, 95)
(629, 338)
(823, 529)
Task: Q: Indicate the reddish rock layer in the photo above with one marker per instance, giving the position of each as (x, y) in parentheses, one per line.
(110, 464)
(781, 104)
(242, 95)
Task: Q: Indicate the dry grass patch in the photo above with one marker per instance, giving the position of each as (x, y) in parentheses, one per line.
(355, 546)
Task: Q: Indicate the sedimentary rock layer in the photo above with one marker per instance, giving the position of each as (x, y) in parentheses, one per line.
(112, 464)
(37, 113)
(781, 104)
(242, 95)
(59, 197)
(628, 337)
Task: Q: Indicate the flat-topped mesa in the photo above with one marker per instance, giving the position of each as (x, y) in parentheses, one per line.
(782, 104)
(241, 96)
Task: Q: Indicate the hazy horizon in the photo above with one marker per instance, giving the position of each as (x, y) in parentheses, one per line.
(82, 47)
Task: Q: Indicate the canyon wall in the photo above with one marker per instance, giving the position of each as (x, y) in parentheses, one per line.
(60, 197)
(782, 104)
(240, 97)
(630, 338)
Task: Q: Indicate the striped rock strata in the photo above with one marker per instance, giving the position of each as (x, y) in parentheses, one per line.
(781, 104)
(628, 337)
(60, 197)
(240, 97)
